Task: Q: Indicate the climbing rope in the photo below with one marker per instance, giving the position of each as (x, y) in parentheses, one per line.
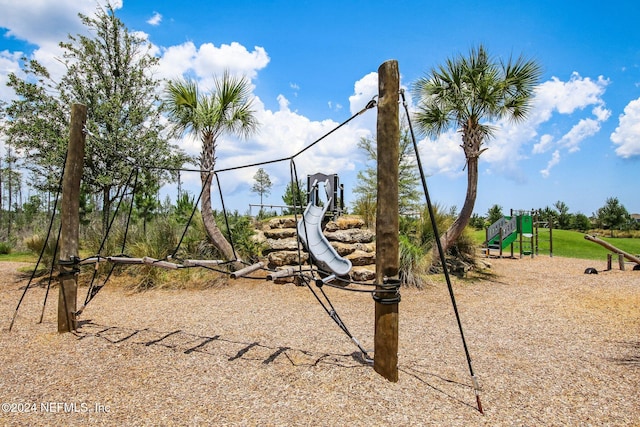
(307, 277)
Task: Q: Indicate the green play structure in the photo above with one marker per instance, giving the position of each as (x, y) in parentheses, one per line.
(521, 228)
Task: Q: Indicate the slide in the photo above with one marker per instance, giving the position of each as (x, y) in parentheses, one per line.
(325, 255)
(509, 232)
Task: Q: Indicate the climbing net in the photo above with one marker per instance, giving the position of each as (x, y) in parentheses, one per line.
(305, 275)
(386, 292)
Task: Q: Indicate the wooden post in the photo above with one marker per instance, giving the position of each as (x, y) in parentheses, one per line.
(609, 261)
(621, 261)
(486, 239)
(387, 222)
(537, 229)
(70, 220)
(519, 219)
(551, 238)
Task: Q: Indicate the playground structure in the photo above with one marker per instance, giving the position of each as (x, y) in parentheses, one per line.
(327, 267)
(521, 227)
(310, 232)
(333, 189)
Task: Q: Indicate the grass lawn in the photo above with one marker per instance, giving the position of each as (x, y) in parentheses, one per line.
(19, 257)
(572, 244)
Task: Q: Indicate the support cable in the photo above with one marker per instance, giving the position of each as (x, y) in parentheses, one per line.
(53, 265)
(476, 387)
(226, 218)
(186, 228)
(44, 247)
(328, 307)
(93, 290)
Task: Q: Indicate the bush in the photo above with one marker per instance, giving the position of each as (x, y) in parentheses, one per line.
(417, 240)
(242, 230)
(35, 244)
(5, 248)
(413, 263)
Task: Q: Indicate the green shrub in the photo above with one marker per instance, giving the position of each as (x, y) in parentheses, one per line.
(35, 243)
(413, 267)
(417, 240)
(5, 248)
(242, 229)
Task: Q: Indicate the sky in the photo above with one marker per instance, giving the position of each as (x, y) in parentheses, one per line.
(313, 64)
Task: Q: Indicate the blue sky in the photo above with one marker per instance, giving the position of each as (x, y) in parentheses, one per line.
(312, 64)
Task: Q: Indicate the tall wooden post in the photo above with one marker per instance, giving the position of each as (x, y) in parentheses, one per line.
(70, 220)
(387, 223)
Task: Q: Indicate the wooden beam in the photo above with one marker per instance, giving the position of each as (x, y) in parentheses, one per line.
(70, 220)
(387, 222)
(612, 248)
(247, 270)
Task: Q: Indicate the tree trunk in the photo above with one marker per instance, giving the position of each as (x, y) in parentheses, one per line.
(214, 233)
(451, 235)
(106, 207)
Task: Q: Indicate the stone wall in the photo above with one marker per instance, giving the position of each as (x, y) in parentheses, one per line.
(346, 234)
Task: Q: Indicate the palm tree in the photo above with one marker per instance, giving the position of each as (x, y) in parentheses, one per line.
(466, 93)
(225, 110)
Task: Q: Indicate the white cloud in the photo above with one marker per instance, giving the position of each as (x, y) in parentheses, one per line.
(601, 113)
(47, 23)
(334, 107)
(581, 130)
(234, 57)
(155, 20)
(442, 156)
(554, 99)
(566, 97)
(44, 22)
(8, 64)
(205, 62)
(627, 134)
(544, 145)
(363, 90)
(555, 159)
(176, 60)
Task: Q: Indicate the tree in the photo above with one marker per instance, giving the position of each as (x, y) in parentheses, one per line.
(581, 222)
(408, 179)
(146, 198)
(465, 93)
(208, 116)
(477, 222)
(12, 181)
(613, 214)
(564, 217)
(294, 195)
(112, 73)
(494, 213)
(262, 185)
(548, 215)
(37, 125)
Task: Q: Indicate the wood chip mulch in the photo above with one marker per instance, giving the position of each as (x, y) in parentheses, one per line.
(551, 346)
